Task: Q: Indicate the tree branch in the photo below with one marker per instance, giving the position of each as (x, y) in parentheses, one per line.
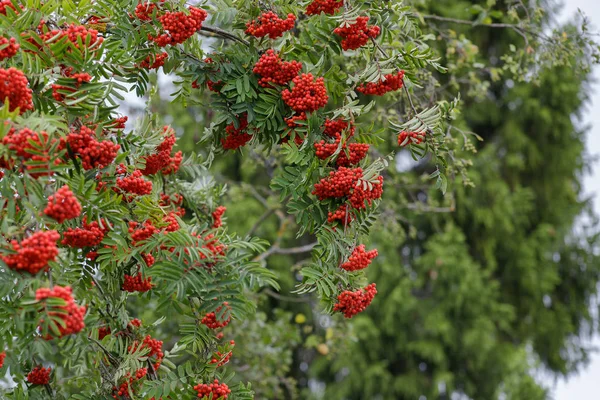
(224, 34)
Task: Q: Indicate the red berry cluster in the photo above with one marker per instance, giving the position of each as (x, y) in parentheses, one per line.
(351, 303)
(168, 201)
(63, 205)
(342, 215)
(269, 24)
(14, 88)
(122, 392)
(215, 390)
(216, 215)
(2, 357)
(307, 94)
(4, 4)
(11, 48)
(339, 184)
(154, 61)
(137, 283)
(144, 11)
(357, 34)
(135, 184)
(89, 235)
(324, 6)
(93, 154)
(212, 246)
(221, 358)
(390, 83)
(72, 315)
(161, 160)
(33, 253)
(39, 375)
(139, 233)
(210, 319)
(359, 259)
(350, 154)
(79, 78)
(21, 142)
(155, 347)
(406, 138)
(337, 126)
(179, 27)
(236, 137)
(118, 123)
(362, 194)
(172, 224)
(103, 332)
(75, 34)
(273, 70)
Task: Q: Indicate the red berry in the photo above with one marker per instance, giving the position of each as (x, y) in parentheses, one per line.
(72, 314)
(359, 259)
(14, 88)
(390, 83)
(406, 138)
(33, 253)
(210, 319)
(324, 6)
(217, 214)
(179, 27)
(356, 34)
(351, 303)
(269, 24)
(273, 70)
(39, 376)
(136, 283)
(219, 391)
(236, 137)
(11, 48)
(63, 205)
(307, 94)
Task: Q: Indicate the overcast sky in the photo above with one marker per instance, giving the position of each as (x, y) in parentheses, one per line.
(586, 386)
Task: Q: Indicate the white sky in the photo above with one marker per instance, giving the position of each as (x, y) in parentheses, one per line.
(586, 385)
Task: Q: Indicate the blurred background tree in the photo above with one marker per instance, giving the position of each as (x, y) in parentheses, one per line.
(478, 289)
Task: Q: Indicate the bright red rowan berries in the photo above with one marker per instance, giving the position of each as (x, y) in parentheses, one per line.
(217, 214)
(11, 48)
(4, 4)
(72, 315)
(14, 88)
(136, 283)
(236, 137)
(93, 154)
(324, 6)
(79, 78)
(135, 184)
(337, 126)
(351, 303)
(89, 235)
(179, 27)
(340, 183)
(406, 138)
(19, 142)
(103, 332)
(273, 70)
(33, 253)
(39, 375)
(215, 390)
(355, 151)
(342, 214)
(161, 160)
(144, 11)
(307, 94)
(390, 83)
(359, 259)
(210, 319)
(221, 358)
(154, 61)
(140, 232)
(63, 205)
(357, 34)
(269, 24)
(2, 357)
(361, 194)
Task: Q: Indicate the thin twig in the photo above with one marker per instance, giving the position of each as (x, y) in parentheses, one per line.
(278, 296)
(224, 34)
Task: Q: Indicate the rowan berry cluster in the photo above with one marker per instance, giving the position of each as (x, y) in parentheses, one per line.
(342, 215)
(307, 94)
(14, 88)
(63, 205)
(406, 138)
(78, 36)
(141, 232)
(89, 235)
(236, 137)
(211, 321)
(154, 61)
(123, 391)
(324, 6)
(390, 83)
(72, 315)
(155, 347)
(178, 26)
(337, 126)
(93, 154)
(134, 184)
(340, 183)
(217, 215)
(4, 4)
(173, 201)
(269, 24)
(33, 253)
(137, 283)
(39, 375)
(161, 160)
(350, 154)
(21, 142)
(11, 48)
(351, 303)
(212, 246)
(274, 70)
(221, 358)
(78, 78)
(359, 259)
(215, 390)
(144, 11)
(103, 332)
(2, 357)
(362, 194)
(357, 34)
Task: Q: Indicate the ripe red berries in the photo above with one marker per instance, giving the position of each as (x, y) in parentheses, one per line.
(217, 214)
(359, 259)
(210, 319)
(340, 183)
(269, 24)
(136, 283)
(154, 61)
(33, 253)
(351, 303)
(390, 83)
(63, 205)
(307, 94)
(11, 48)
(39, 375)
(161, 161)
(72, 315)
(2, 357)
(93, 154)
(406, 138)
(89, 235)
(273, 70)
(217, 390)
(236, 137)
(324, 6)
(357, 34)
(135, 184)
(14, 88)
(179, 27)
